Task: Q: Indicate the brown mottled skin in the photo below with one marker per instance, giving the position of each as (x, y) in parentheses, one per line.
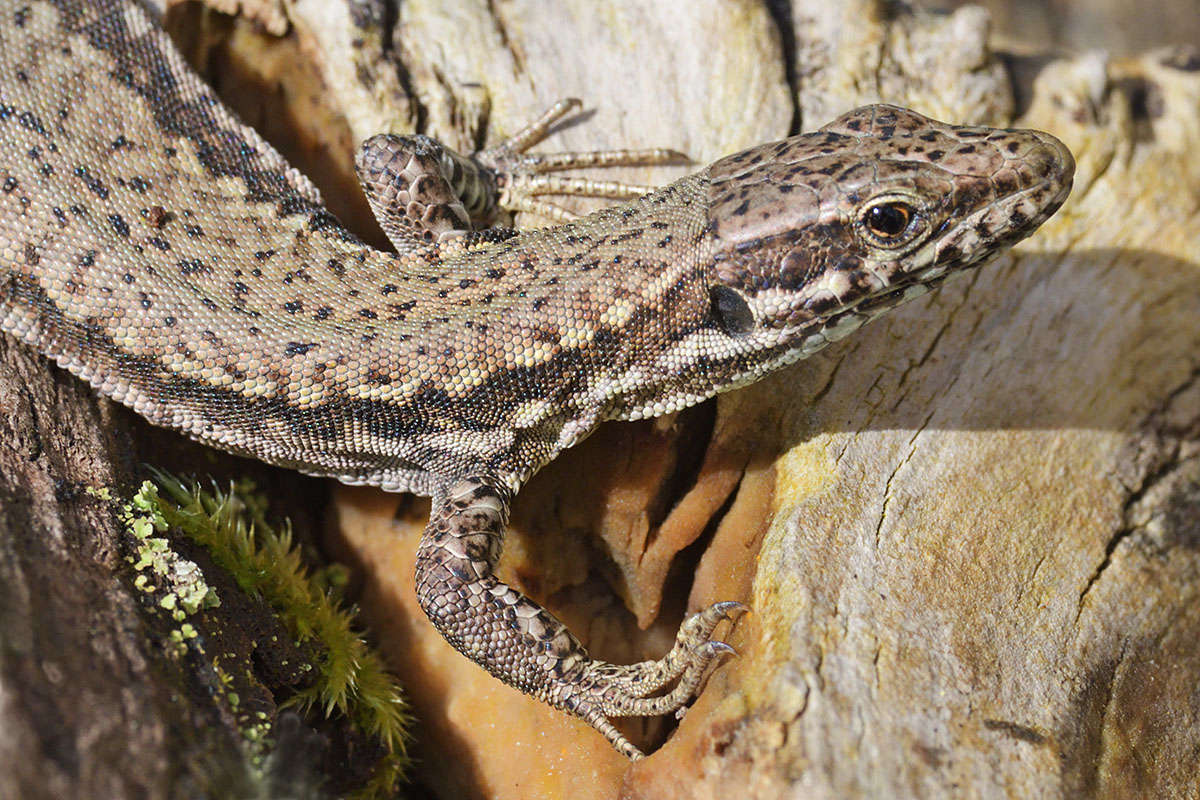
(157, 247)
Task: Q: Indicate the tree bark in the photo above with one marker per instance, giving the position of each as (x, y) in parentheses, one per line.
(89, 707)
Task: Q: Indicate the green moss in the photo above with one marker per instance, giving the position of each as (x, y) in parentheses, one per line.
(261, 559)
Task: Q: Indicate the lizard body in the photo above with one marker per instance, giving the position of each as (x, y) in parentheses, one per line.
(157, 247)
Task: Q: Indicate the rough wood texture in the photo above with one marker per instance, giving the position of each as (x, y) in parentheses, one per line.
(88, 707)
(92, 701)
(1119, 28)
(979, 558)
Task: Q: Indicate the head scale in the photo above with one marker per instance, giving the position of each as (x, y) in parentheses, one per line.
(814, 235)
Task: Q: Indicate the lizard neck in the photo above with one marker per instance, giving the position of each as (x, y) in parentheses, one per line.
(593, 304)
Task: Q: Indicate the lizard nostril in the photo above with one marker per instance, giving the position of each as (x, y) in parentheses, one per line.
(1051, 160)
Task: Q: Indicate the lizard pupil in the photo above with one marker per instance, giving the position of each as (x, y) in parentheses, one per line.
(889, 220)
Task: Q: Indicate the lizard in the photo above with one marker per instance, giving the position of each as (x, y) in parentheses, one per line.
(160, 249)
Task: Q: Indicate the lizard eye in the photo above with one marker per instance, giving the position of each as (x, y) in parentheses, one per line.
(889, 222)
(731, 311)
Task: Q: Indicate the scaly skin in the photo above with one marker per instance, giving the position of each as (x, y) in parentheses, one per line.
(158, 248)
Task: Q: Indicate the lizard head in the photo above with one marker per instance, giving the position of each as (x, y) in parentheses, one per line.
(815, 235)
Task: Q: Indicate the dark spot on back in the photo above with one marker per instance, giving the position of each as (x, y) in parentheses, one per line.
(30, 120)
(298, 348)
(119, 225)
(192, 266)
(93, 184)
(157, 216)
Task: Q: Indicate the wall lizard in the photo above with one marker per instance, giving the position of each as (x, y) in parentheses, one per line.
(158, 248)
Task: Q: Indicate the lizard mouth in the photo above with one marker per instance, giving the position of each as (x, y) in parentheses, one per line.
(1019, 198)
(991, 230)
(1047, 170)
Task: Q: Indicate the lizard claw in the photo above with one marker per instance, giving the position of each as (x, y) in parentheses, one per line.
(732, 609)
(710, 650)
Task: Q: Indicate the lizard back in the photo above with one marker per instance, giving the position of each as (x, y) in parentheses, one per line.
(160, 249)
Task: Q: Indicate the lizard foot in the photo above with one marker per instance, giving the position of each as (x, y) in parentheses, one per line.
(526, 646)
(602, 690)
(421, 191)
(521, 176)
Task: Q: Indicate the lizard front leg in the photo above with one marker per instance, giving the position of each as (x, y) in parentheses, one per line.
(523, 644)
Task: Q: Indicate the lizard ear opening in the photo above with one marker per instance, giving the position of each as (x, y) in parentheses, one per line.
(731, 310)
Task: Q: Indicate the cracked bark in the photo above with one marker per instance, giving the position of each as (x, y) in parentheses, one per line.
(1013, 612)
(91, 704)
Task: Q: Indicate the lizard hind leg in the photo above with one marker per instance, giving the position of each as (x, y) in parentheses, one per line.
(521, 177)
(422, 192)
(522, 644)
